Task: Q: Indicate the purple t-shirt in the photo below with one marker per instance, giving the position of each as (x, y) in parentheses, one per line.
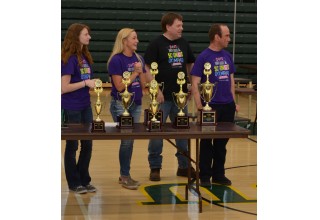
(80, 98)
(222, 67)
(121, 63)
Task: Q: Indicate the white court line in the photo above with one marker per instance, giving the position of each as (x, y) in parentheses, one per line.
(82, 207)
(79, 199)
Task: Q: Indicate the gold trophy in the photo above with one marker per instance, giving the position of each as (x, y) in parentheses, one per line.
(180, 99)
(207, 115)
(153, 116)
(126, 120)
(98, 124)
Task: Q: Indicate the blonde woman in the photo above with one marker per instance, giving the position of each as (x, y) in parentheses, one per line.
(124, 58)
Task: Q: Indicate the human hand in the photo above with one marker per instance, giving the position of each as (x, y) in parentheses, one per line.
(90, 83)
(237, 107)
(137, 67)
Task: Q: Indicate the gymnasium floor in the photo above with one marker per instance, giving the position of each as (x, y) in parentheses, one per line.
(164, 199)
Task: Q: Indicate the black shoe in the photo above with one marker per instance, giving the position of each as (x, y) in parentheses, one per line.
(79, 189)
(205, 182)
(222, 180)
(155, 174)
(90, 188)
(184, 172)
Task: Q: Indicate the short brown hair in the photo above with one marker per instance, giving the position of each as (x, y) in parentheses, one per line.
(215, 29)
(168, 19)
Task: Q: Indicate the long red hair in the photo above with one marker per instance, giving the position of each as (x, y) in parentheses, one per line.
(72, 46)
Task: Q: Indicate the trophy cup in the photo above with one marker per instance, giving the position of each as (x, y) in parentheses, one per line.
(98, 124)
(180, 99)
(207, 115)
(153, 116)
(126, 120)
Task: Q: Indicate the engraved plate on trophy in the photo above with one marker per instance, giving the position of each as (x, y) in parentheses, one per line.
(125, 120)
(148, 115)
(180, 99)
(207, 116)
(153, 115)
(98, 124)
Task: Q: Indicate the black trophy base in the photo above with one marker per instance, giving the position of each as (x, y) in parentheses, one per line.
(207, 118)
(154, 126)
(148, 116)
(98, 126)
(125, 121)
(181, 122)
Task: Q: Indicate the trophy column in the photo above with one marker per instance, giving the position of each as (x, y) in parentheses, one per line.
(180, 99)
(153, 116)
(98, 124)
(207, 116)
(126, 120)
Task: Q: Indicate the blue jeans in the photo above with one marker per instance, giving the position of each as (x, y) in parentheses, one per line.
(77, 173)
(155, 145)
(126, 146)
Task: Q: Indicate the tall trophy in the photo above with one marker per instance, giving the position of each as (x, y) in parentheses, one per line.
(207, 116)
(98, 124)
(153, 116)
(125, 120)
(180, 99)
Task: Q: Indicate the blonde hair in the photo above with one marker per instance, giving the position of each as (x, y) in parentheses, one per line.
(118, 44)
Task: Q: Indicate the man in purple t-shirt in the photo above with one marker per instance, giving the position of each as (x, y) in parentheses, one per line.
(213, 151)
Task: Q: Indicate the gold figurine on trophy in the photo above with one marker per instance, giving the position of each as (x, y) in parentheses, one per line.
(181, 120)
(153, 116)
(207, 115)
(126, 120)
(98, 124)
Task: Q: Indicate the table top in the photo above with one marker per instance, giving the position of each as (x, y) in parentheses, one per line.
(244, 80)
(247, 91)
(221, 130)
(251, 67)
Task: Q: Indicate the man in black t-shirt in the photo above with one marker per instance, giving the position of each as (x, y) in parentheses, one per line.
(173, 54)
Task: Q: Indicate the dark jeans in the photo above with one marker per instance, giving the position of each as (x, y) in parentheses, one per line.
(78, 173)
(213, 151)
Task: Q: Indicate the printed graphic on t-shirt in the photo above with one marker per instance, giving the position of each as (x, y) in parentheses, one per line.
(136, 81)
(85, 70)
(221, 69)
(175, 56)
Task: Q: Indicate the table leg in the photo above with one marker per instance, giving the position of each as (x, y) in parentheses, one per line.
(197, 176)
(249, 100)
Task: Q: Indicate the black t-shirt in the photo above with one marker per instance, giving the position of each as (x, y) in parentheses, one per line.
(171, 57)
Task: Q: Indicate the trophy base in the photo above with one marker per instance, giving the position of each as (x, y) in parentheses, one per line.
(154, 126)
(125, 121)
(98, 126)
(148, 115)
(181, 122)
(207, 118)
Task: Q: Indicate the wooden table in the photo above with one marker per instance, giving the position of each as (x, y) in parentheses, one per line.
(249, 92)
(222, 130)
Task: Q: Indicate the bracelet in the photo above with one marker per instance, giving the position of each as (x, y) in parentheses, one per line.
(84, 83)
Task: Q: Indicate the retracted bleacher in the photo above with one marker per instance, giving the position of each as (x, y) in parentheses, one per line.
(107, 17)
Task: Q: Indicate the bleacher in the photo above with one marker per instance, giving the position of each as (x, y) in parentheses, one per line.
(107, 17)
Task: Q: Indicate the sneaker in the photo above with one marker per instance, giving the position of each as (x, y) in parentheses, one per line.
(128, 183)
(205, 182)
(155, 174)
(79, 189)
(184, 172)
(134, 181)
(222, 180)
(90, 188)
